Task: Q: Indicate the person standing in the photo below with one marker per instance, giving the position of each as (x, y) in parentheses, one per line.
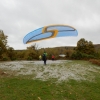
(53, 57)
(44, 57)
(40, 57)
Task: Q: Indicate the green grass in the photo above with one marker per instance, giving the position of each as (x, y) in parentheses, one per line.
(18, 88)
(25, 88)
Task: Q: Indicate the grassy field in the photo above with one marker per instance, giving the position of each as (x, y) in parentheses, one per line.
(81, 82)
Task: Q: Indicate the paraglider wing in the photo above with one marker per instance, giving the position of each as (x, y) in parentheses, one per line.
(48, 32)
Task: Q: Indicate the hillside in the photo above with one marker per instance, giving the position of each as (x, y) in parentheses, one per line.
(97, 46)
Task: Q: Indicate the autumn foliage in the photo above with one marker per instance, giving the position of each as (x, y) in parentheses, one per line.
(84, 50)
(95, 61)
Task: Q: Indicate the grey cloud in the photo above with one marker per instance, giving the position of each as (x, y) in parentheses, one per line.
(18, 17)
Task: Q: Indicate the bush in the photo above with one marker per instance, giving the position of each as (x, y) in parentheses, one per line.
(5, 57)
(76, 55)
(29, 58)
(95, 61)
(79, 55)
(13, 59)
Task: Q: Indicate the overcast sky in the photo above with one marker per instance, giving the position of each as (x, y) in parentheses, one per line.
(19, 17)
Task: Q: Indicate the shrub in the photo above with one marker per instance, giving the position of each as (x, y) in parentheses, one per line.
(95, 61)
(76, 55)
(5, 57)
(79, 55)
(29, 58)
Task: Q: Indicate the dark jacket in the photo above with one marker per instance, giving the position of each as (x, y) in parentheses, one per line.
(44, 57)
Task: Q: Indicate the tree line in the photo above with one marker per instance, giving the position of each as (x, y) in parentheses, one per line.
(84, 50)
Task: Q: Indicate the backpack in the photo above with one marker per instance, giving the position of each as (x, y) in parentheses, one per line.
(44, 56)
